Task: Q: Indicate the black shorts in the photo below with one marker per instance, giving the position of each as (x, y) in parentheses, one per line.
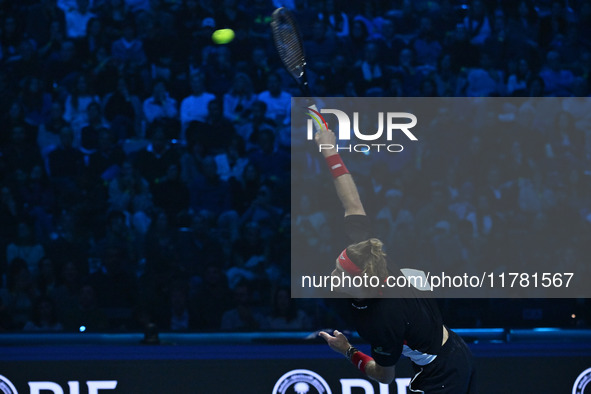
(452, 372)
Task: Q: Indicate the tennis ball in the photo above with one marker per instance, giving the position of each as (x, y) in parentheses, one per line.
(222, 36)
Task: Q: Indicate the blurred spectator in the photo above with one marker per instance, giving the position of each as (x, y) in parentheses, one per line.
(178, 315)
(426, 45)
(160, 104)
(393, 214)
(220, 129)
(44, 317)
(106, 160)
(36, 101)
(485, 80)
(269, 160)
(38, 197)
(310, 221)
(66, 292)
(19, 293)
(227, 232)
(445, 77)
(89, 134)
(246, 188)
(434, 212)
(256, 121)
(277, 100)
(77, 19)
(154, 162)
(464, 53)
(48, 134)
(334, 16)
(95, 38)
(19, 153)
(128, 190)
(76, 107)
(285, 314)
(517, 82)
(194, 107)
(195, 244)
(159, 247)
(137, 5)
(170, 192)
(263, 211)
(70, 237)
(54, 39)
(239, 99)
(233, 161)
(370, 74)
(63, 66)
(40, 20)
(15, 117)
(25, 248)
(11, 37)
(321, 46)
(86, 315)
(128, 51)
(410, 75)
(553, 22)
(557, 80)
(524, 24)
(104, 71)
(339, 75)
(66, 163)
(243, 317)
(112, 13)
(219, 70)
(259, 69)
(25, 62)
(212, 298)
(115, 279)
(123, 110)
(478, 23)
(390, 43)
(356, 42)
(249, 256)
(259, 14)
(208, 191)
(47, 277)
(9, 215)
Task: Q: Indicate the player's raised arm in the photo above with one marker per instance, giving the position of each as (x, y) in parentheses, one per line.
(343, 181)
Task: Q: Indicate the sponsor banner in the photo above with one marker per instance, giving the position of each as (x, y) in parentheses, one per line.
(305, 369)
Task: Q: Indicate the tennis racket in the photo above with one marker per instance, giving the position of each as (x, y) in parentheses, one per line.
(289, 45)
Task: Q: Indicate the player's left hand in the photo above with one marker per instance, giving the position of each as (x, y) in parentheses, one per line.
(337, 342)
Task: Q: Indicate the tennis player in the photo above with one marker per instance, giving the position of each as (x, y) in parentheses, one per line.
(411, 326)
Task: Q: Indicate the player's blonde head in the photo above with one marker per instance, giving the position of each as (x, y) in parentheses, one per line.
(369, 257)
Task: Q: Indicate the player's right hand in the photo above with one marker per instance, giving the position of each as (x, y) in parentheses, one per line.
(327, 142)
(325, 137)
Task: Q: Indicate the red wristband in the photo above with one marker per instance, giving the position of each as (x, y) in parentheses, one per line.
(360, 360)
(336, 166)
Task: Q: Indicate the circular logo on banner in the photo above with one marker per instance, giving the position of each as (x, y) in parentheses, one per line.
(6, 386)
(582, 382)
(301, 381)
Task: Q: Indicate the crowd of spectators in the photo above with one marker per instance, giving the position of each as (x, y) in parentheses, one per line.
(145, 172)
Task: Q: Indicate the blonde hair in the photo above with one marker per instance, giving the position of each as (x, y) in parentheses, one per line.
(369, 257)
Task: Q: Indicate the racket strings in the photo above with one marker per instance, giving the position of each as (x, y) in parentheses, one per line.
(288, 42)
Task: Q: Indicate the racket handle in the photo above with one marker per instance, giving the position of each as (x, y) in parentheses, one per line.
(314, 113)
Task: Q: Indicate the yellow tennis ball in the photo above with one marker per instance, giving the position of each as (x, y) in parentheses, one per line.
(222, 36)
